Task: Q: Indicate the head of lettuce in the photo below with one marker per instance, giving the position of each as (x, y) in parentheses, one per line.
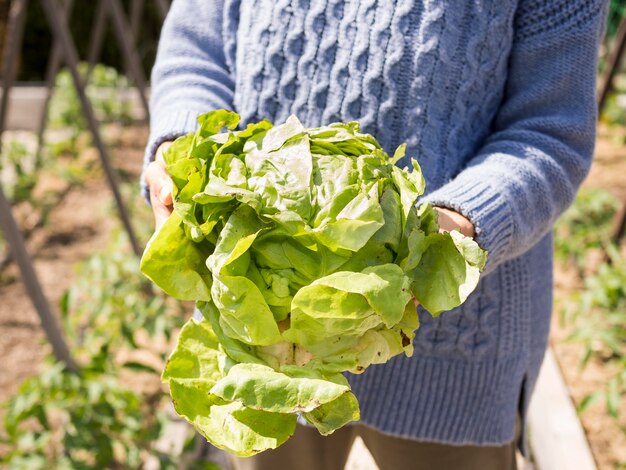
(304, 250)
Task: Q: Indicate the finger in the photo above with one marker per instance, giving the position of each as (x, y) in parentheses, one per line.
(160, 185)
(160, 211)
(158, 156)
(159, 182)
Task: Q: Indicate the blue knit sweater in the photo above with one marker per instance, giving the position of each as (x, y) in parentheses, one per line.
(495, 98)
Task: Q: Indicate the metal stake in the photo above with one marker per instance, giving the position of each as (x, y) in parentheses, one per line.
(133, 64)
(136, 8)
(163, 7)
(54, 64)
(97, 36)
(13, 44)
(619, 224)
(61, 33)
(33, 287)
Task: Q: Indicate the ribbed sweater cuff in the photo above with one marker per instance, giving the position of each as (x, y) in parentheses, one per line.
(168, 125)
(484, 206)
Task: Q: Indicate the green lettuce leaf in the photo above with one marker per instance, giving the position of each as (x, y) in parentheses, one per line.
(348, 303)
(196, 356)
(230, 425)
(329, 417)
(192, 371)
(177, 264)
(244, 314)
(443, 277)
(282, 393)
(236, 350)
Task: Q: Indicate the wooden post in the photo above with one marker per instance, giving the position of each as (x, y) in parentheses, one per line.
(557, 439)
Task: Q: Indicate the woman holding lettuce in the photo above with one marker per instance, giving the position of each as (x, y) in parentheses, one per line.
(496, 101)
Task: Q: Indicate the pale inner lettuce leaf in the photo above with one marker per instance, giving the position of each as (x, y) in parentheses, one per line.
(283, 178)
(376, 346)
(235, 239)
(244, 314)
(304, 249)
(354, 225)
(410, 186)
(233, 348)
(349, 303)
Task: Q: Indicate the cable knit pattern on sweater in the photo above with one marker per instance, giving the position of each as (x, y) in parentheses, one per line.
(495, 98)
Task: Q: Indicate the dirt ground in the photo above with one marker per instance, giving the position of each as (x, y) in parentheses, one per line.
(82, 225)
(607, 440)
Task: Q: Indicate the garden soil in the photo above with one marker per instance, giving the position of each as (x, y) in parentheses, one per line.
(82, 224)
(607, 440)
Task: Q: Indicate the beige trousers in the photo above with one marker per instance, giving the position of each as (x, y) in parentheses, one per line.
(307, 450)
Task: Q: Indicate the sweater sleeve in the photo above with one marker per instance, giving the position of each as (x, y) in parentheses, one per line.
(529, 168)
(191, 74)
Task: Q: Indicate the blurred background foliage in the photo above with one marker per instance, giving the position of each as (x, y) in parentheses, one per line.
(38, 39)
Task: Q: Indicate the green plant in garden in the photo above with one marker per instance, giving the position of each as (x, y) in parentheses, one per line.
(21, 169)
(617, 12)
(104, 90)
(599, 309)
(112, 412)
(24, 177)
(613, 110)
(585, 226)
(76, 421)
(17, 171)
(110, 304)
(601, 327)
(19, 176)
(90, 420)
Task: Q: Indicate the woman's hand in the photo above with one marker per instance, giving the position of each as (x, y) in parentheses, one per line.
(160, 185)
(450, 220)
